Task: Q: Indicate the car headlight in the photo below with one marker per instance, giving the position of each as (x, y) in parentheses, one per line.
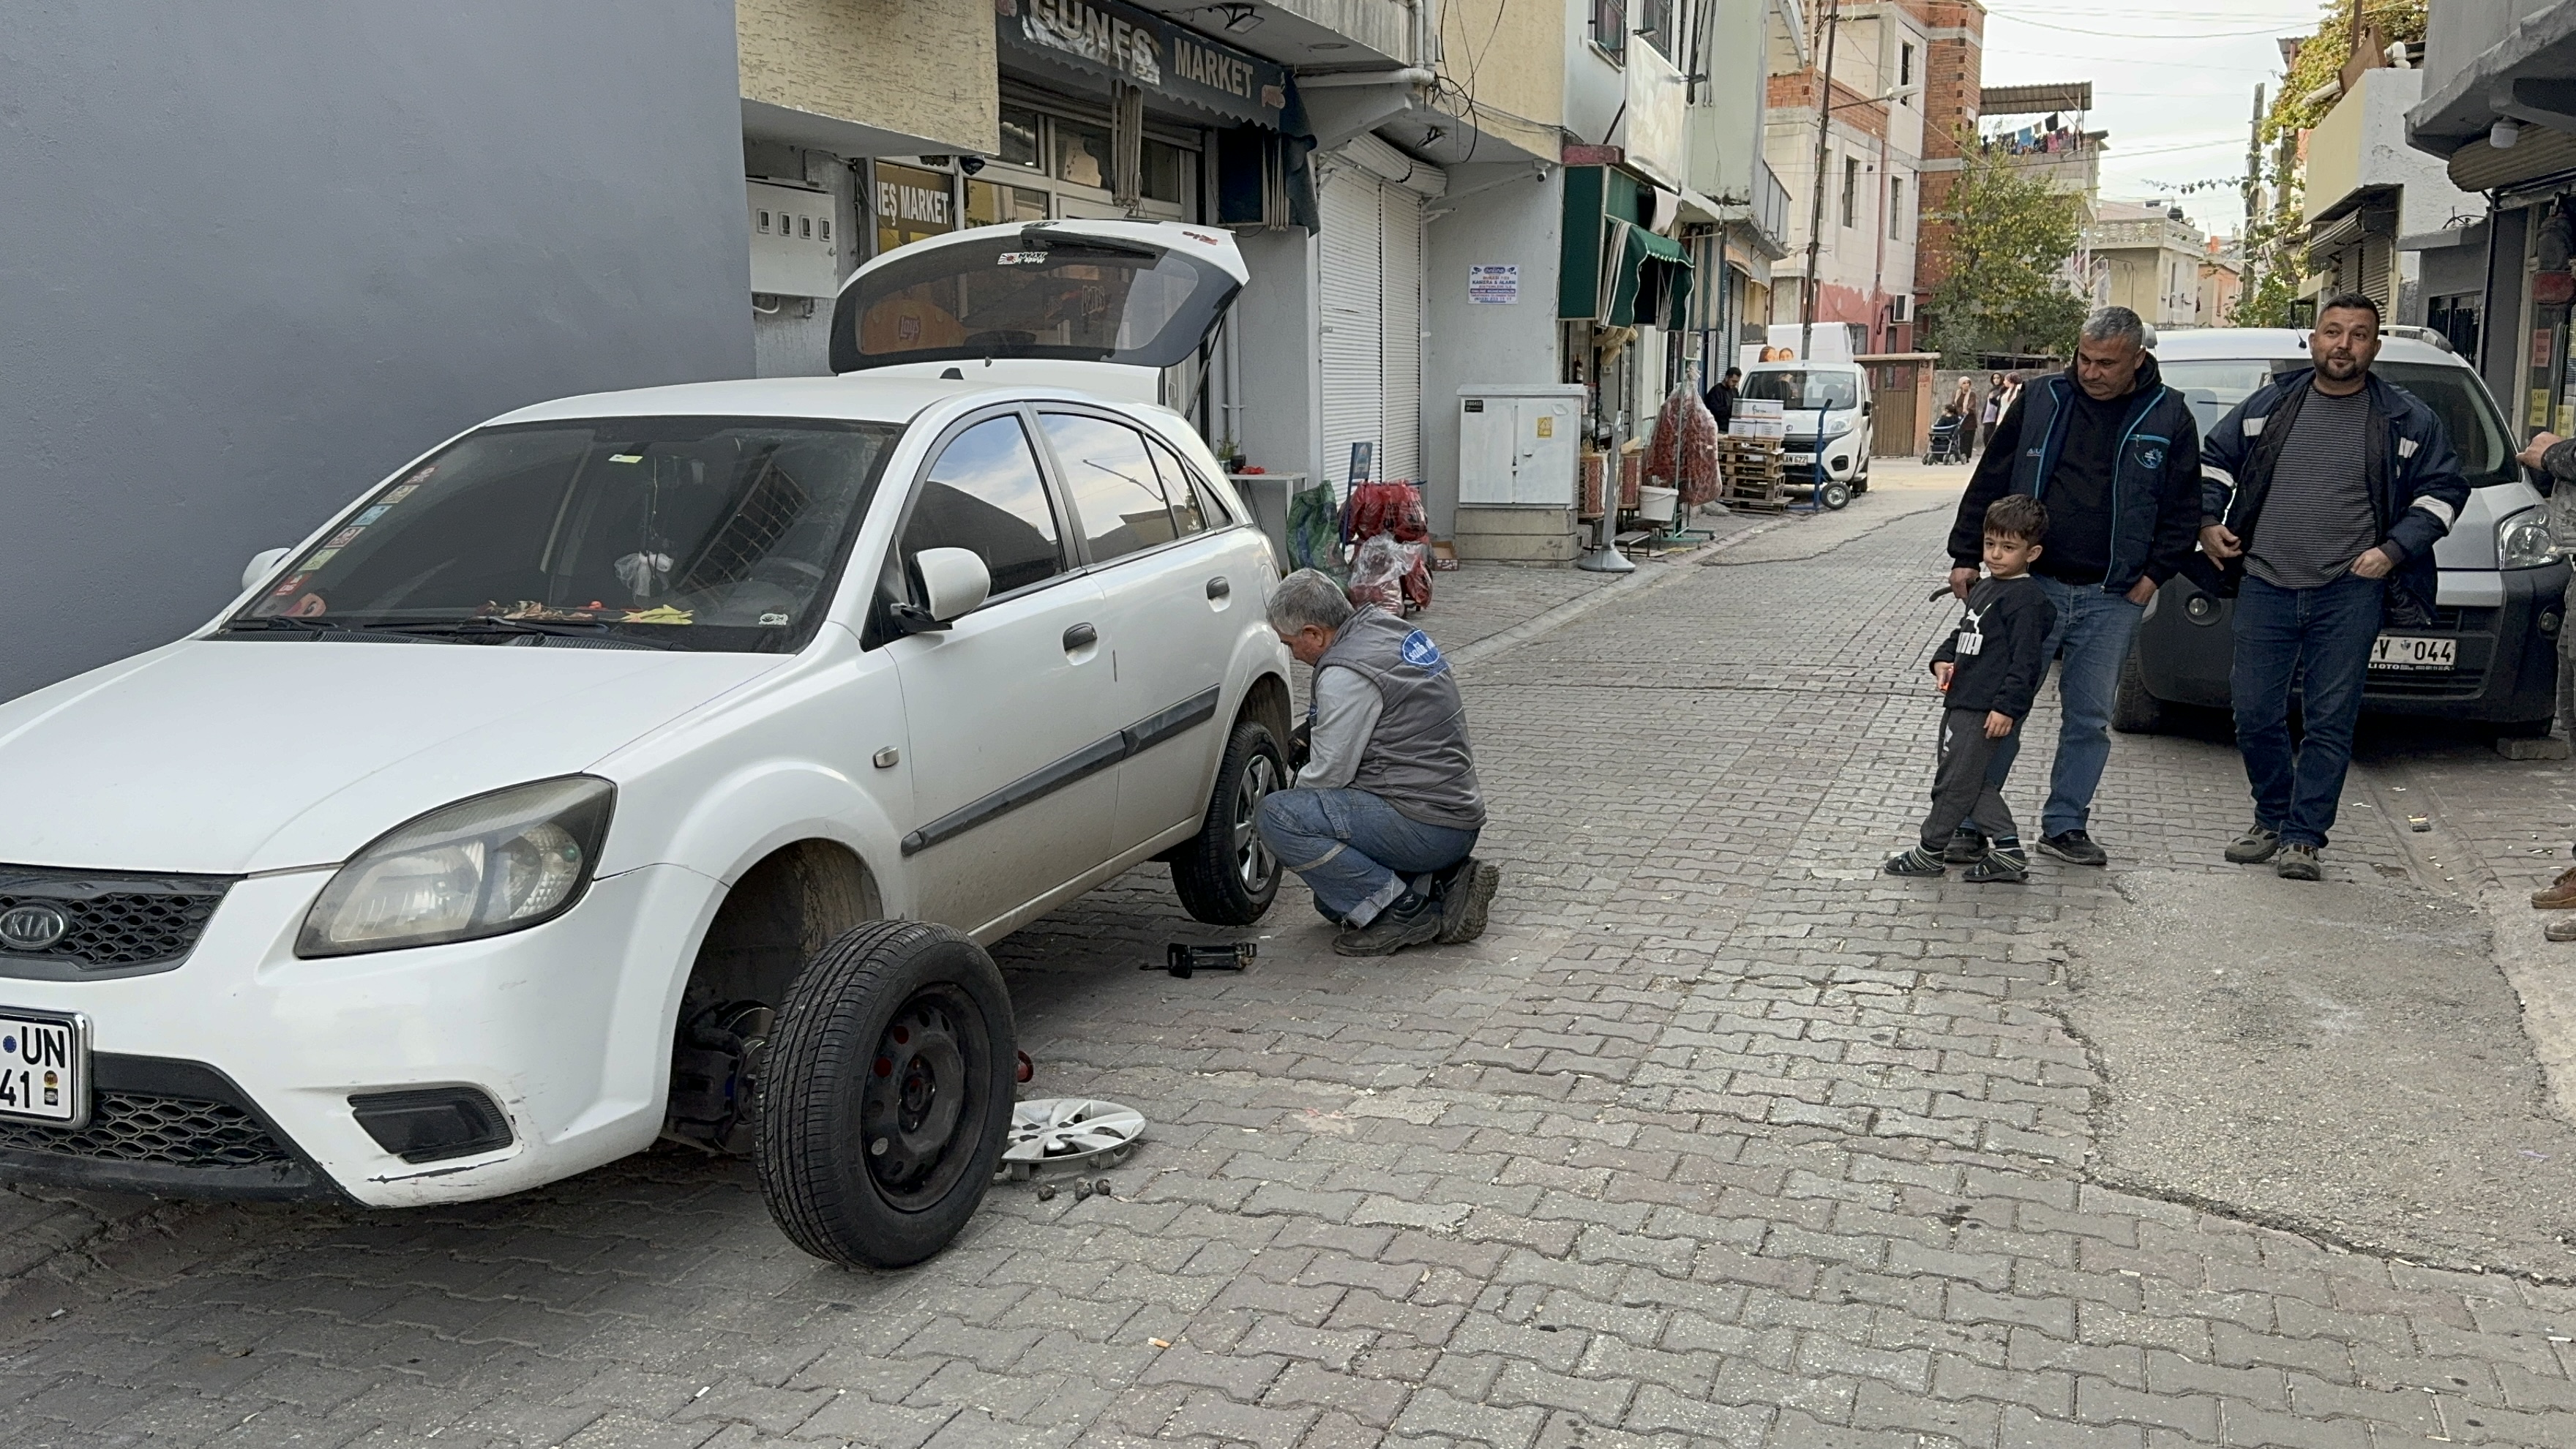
(2523, 541)
(487, 866)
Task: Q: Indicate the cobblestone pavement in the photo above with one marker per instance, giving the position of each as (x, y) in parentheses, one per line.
(1716, 1138)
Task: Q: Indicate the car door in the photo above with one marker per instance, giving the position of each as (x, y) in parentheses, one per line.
(1012, 731)
(1172, 601)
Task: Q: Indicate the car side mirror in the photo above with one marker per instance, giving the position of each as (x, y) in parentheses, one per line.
(261, 563)
(1864, 409)
(954, 583)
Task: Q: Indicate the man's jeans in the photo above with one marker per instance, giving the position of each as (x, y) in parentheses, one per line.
(2095, 630)
(1354, 850)
(2321, 636)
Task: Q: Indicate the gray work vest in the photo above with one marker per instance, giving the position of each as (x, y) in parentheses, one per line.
(1418, 760)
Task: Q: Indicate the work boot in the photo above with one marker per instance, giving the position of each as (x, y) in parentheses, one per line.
(2560, 895)
(2255, 846)
(1412, 921)
(2298, 862)
(1464, 891)
(1967, 846)
(2562, 929)
(2000, 867)
(2074, 847)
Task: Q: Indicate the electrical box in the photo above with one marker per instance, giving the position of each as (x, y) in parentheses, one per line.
(795, 249)
(1518, 442)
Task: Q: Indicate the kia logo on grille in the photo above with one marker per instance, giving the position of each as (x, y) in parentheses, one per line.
(32, 928)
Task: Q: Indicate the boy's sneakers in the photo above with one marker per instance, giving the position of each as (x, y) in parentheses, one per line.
(2562, 929)
(2254, 847)
(2298, 862)
(2074, 847)
(1915, 862)
(2000, 867)
(1967, 846)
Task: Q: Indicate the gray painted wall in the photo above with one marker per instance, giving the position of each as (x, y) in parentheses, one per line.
(1520, 221)
(256, 255)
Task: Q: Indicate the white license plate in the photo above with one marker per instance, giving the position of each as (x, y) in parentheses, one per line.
(1797, 457)
(2414, 651)
(44, 1069)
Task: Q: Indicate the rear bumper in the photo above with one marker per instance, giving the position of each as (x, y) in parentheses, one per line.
(2507, 669)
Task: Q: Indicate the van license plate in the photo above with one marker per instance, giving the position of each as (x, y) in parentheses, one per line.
(1797, 457)
(2414, 651)
(44, 1069)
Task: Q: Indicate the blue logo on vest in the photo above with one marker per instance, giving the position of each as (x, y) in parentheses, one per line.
(1422, 654)
(2151, 458)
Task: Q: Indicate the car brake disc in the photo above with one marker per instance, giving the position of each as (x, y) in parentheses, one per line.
(1069, 1131)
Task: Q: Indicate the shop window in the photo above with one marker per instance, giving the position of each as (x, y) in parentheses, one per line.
(1167, 173)
(990, 203)
(1082, 154)
(985, 494)
(1019, 136)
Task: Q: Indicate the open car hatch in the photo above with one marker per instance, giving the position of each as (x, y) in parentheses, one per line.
(1100, 305)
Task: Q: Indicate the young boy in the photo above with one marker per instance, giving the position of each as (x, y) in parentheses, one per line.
(1989, 667)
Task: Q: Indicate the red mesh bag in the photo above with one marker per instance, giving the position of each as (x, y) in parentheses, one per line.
(1683, 455)
(1393, 507)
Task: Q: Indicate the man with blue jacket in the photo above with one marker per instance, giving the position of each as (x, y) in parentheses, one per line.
(2341, 486)
(2114, 455)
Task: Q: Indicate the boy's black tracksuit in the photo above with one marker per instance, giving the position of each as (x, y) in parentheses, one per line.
(1997, 651)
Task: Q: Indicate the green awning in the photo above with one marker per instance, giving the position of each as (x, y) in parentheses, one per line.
(1648, 277)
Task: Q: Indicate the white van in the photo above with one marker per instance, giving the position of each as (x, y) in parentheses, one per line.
(1827, 407)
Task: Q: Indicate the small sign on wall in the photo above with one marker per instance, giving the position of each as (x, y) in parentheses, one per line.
(1493, 285)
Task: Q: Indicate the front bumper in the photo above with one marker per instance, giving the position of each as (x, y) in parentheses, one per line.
(231, 1075)
(1839, 459)
(2506, 670)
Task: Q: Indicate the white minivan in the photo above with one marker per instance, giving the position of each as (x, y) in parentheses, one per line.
(1827, 407)
(656, 764)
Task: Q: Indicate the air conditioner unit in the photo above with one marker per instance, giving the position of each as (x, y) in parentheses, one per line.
(1904, 307)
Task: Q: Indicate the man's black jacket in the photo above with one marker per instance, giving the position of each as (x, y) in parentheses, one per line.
(2155, 481)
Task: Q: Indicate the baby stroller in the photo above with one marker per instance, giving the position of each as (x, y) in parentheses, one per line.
(1949, 439)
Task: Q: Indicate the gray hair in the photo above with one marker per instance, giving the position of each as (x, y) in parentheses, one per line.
(1308, 598)
(2118, 324)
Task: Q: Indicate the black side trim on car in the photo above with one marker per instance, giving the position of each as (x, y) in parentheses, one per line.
(1091, 759)
(169, 1128)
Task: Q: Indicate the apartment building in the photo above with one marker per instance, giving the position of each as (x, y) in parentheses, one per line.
(2145, 257)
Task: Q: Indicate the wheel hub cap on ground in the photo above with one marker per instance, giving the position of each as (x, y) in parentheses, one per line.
(1062, 1131)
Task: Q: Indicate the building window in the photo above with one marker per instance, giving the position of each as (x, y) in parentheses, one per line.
(1896, 208)
(1905, 65)
(1851, 190)
(1655, 20)
(1610, 26)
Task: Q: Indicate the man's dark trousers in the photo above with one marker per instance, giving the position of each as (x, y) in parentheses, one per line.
(2322, 636)
(1963, 784)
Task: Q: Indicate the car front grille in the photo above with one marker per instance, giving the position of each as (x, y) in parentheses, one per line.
(115, 920)
(139, 1127)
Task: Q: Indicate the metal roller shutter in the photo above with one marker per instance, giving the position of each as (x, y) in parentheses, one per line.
(1353, 335)
(1401, 307)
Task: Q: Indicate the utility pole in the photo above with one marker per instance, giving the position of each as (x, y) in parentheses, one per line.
(1816, 209)
(2253, 187)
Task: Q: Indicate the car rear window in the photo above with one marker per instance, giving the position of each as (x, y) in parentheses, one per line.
(2214, 386)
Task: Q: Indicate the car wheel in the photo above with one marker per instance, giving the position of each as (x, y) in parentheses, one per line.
(1226, 875)
(2133, 710)
(886, 1094)
(1833, 493)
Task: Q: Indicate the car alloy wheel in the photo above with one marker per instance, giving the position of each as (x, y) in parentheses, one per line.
(1253, 863)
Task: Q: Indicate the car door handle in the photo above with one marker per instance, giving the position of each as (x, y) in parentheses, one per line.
(1220, 587)
(1080, 636)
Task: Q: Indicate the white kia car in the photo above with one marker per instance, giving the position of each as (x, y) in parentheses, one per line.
(655, 764)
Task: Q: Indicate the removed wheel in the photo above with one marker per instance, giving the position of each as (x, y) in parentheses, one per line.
(1833, 493)
(886, 1094)
(2133, 710)
(1226, 875)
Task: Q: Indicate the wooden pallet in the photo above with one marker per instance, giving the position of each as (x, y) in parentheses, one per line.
(1752, 474)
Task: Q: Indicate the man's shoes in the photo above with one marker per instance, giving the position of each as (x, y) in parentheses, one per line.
(2298, 862)
(2074, 847)
(2000, 867)
(1915, 862)
(1464, 891)
(2562, 929)
(2255, 846)
(1967, 846)
(2560, 894)
(1411, 922)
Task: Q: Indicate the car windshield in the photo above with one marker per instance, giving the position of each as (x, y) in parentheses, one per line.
(1033, 295)
(718, 534)
(1804, 390)
(2215, 386)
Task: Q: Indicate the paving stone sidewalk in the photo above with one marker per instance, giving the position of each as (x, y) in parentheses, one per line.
(1717, 1138)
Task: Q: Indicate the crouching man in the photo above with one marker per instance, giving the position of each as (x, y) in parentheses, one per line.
(1386, 806)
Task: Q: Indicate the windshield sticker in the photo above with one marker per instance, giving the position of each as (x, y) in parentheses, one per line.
(542, 613)
(626, 457)
(659, 614)
(416, 479)
(288, 587)
(403, 492)
(314, 564)
(371, 515)
(772, 620)
(345, 537)
(1021, 259)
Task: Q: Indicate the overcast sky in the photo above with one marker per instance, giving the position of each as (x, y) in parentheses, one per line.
(2173, 82)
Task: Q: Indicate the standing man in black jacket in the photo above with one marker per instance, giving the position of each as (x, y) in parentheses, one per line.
(2115, 456)
(1721, 398)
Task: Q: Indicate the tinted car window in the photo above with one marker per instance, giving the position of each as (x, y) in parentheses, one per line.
(986, 494)
(1194, 507)
(2214, 387)
(1117, 494)
(1802, 389)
